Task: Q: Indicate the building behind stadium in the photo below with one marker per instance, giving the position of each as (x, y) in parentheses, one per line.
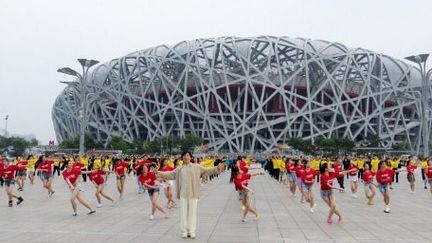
(248, 94)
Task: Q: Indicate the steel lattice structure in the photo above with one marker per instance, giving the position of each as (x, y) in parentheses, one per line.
(248, 94)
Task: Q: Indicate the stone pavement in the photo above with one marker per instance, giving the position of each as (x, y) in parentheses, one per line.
(283, 218)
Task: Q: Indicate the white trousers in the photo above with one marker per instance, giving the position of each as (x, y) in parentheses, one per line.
(188, 215)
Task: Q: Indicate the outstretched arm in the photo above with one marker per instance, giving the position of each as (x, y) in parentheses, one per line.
(167, 175)
(212, 171)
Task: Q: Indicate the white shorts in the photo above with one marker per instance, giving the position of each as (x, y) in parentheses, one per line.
(353, 178)
(167, 184)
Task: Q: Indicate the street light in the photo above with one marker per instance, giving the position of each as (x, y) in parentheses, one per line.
(421, 61)
(6, 120)
(81, 84)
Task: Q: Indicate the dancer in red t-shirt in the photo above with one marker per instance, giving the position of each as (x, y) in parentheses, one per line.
(46, 175)
(299, 170)
(353, 178)
(328, 175)
(167, 184)
(384, 177)
(71, 176)
(291, 175)
(21, 174)
(308, 178)
(428, 172)
(120, 171)
(97, 177)
(148, 179)
(369, 187)
(411, 168)
(241, 181)
(8, 174)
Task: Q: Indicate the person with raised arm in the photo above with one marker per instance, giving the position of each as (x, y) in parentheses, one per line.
(188, 183)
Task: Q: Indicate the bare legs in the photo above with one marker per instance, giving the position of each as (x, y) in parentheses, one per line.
(169, 195)
(248, 208)
(370, 194)
(47, 183)
(156, 205)
(100, 192)
(333, 210)
(120, 187)
(76, 195)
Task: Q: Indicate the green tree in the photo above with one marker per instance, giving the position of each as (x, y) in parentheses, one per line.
(138, 146)
(118, 143)
(34, 142)
(327, 145)
(401, 146)
(373, 140)
(70, 143)
(151, 147)
(189, 142)
(345, 145)
(90, 142)
(19, 144)
(300, 144)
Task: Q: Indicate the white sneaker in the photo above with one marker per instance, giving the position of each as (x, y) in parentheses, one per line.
(311, 210)
(151, 217)
(412, 192)
(166, 216)
(387, 209)
(294, 195)
(354, 195)
(243, 208)
(99, 205)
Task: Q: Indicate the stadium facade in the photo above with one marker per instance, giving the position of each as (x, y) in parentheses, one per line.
(248, 94)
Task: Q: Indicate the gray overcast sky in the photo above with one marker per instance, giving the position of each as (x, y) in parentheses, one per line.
(39, 36)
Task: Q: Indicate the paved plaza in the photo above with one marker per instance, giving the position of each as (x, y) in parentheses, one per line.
(283, 218)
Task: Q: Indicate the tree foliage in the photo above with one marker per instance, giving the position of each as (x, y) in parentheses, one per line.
(118, 143)
(19, 144)
(401, 146)
(90, 142)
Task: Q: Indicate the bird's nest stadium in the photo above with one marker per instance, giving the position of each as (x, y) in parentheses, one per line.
(248, 94)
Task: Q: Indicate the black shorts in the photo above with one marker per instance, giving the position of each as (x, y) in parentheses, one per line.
(121, 177)
(152, 191)
(22, 173)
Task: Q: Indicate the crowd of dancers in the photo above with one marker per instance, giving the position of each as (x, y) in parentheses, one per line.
(299, 173)
(375, 173)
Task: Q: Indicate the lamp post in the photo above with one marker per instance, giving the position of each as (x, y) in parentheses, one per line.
(425, 131)
(6, 120)
(86, 64)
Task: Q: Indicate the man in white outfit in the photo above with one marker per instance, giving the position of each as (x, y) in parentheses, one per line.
(188, 184)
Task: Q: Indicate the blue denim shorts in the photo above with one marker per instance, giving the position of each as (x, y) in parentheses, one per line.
(307, 187)
(291, 177)
(8, 183)
(46, 176)
(243, 194)
(326, 194)
(383, 187)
